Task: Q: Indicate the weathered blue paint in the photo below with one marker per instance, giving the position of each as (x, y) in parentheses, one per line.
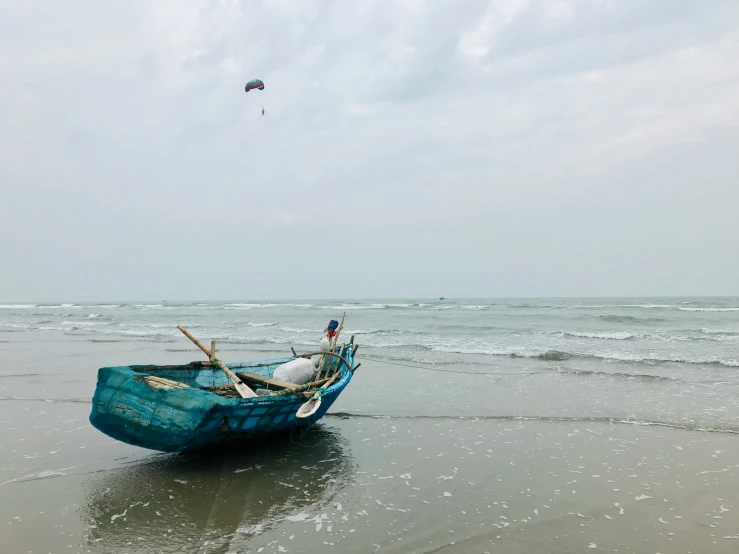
(125, 408)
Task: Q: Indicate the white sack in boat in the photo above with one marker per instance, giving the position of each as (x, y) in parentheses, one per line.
(298, 371)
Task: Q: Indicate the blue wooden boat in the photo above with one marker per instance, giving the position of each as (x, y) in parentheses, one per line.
(194, 406)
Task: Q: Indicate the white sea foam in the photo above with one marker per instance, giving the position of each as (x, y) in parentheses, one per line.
(647, 306)
(719, 331)
(614, 335)
(85, 323)
(248, 306)
(727, 309)
(356, 307)
(288, 329)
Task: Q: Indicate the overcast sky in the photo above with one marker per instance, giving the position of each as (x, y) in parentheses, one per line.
(409, 149)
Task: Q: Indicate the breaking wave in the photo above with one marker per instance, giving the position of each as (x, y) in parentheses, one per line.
(616, 335)
(629, 319)
(616, 420)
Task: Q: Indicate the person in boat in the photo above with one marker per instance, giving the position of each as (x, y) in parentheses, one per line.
(262, 111)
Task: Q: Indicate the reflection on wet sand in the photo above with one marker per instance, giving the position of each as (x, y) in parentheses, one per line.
(180, 502)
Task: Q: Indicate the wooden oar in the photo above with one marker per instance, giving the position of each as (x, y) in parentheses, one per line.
(241, 388)
(311, 407)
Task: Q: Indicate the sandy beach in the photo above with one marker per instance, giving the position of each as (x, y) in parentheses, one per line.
(450, 467)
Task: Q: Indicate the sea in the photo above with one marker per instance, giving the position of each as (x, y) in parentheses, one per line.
(472, 425)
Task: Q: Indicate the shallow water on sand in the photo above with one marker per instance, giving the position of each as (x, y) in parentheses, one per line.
(502, 431)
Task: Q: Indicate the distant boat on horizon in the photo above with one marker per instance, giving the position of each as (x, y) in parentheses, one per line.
(442, 298)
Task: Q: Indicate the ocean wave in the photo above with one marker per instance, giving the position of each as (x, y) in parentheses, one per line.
(472, 307)
(615, 420)
(248, 305)
(172, 325)
(17, 306)
(647, 306)
(260, 305)
(348, 332)
(374, 306)
(59, 306)
(629, 319)
(239, 339)
(664, 334)
(728, 332)
(489, 350)
(48, 400)
(629, 306)
(384, 332)
(86, 323)
(28, 325)
(728, 309)
(550, 354)
(630, 376)
(662, 358)
(141, 332)
(288, 329)
(679, 308)
(615, 335)
(357, 307)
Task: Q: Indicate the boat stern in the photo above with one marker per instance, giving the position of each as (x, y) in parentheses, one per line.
(128, 409)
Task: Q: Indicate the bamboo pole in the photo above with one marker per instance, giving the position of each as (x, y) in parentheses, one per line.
(338, 363)
(243, 365)
(282, 392)
(242, 389)
(256, 364)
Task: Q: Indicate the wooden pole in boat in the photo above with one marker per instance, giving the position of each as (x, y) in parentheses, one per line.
(242, 389)
(338, 360)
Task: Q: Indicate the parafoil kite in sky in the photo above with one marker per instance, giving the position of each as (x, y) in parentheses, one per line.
(256, 83)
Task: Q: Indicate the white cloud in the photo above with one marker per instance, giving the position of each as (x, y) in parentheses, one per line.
(420, 122)
(478, 41)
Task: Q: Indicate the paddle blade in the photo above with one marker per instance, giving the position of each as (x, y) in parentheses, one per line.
(309, 408)
(244, 391)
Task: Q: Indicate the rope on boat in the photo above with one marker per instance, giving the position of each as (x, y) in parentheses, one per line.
(447, 370)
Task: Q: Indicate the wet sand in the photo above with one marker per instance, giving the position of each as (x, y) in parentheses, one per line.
(384, 473)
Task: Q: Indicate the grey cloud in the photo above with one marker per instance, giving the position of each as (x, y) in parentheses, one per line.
(588, 153)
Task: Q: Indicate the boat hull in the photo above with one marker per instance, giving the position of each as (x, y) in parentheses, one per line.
(128, 409)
